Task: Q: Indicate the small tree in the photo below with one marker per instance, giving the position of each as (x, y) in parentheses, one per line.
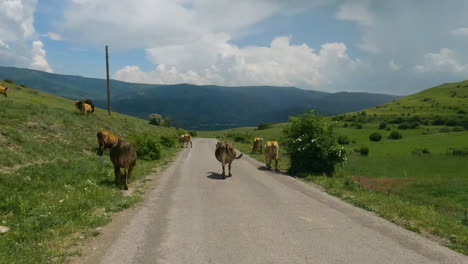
(264, 125)
(376, 136)
(155, 119)
(167, 122)
(312, 145)
(395, 135)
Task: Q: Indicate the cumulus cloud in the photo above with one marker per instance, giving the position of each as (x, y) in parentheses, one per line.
(214, 60)
(39, 61)
(53, 36)
(444, 61)
(460, 32)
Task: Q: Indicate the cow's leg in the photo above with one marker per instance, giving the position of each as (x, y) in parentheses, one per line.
(127, 175)
(117, 176)
(276, 164)
(191, 144)
(230, 174)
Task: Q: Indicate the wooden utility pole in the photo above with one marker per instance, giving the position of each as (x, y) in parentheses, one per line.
(108, 83)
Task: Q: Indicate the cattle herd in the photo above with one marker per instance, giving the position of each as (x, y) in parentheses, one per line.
(123, 156)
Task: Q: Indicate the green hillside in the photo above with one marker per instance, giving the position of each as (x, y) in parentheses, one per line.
(54, 191)
(445, 99)
(419, 181)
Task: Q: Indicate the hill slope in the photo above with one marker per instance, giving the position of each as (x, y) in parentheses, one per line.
(198, 107)
(445, 99)
(53, 188)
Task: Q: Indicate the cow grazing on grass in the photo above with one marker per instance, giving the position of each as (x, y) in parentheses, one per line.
(185, 138)
(122, 154)
(271, 152)
(4, 91)
(257, 145)
(225, 153)
(85, 106)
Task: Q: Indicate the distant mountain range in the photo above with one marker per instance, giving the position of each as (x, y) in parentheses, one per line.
(204, 107)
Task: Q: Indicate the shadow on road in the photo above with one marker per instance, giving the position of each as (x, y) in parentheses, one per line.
(215, 176)
(264, 168)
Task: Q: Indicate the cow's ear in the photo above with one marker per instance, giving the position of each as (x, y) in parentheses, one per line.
(6, 89)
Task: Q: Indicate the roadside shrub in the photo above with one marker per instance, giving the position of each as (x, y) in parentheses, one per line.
(167, 141)
(458, 151)
(376, 136)
(343, 140)
(420, 151)
(438, 121)
(313, 146)
(155, 119)
(461, 111)
(397, 120)
(458, 129)
(364, 151)
(383, 125)
(345, 125)
(147, 146)
(264, 125)
(395, 135)
(8, 80)
(193, 133)
(23, 85)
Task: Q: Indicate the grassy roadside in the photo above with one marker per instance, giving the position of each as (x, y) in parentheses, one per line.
(54, 190)
(425, 193)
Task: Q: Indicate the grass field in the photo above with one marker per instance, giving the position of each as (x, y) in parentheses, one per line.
(54, 191)
(413, 181)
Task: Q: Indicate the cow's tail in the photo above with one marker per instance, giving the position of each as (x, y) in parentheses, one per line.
(240, 156)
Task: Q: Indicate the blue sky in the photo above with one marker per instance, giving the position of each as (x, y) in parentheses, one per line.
(396, 47)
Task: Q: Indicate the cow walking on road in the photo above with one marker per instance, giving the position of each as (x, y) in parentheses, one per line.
(271, 152)
(225, 153)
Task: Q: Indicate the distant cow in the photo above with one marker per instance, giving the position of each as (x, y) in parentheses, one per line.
(4, 91)
(122, 154)
(185, 138)
(85, 106)
(225, 153)
(257, 145)
(271, 152)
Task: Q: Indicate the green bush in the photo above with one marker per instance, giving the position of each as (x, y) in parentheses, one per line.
(312, 145)
(420, 151)
(458, 151)
(263, 126)
(444, 130)
(167, 141)
(458, 129)
(357, 125)
(239, 137)
(343, 140)
(167, 122)
(364, 151)
(395, 135)
(155, 119)
(383, 125)
(147, 146)
(8, 80)
(376, 136)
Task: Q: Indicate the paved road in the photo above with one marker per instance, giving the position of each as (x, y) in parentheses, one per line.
(257, 216)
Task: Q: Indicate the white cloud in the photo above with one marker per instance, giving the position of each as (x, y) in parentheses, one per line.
(393, 65)
(460, 32)
(39, 61)
(444, 61)
(213, 60)
(16, 21)
(53, 36)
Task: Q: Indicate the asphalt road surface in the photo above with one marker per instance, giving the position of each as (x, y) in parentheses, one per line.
(257, 216)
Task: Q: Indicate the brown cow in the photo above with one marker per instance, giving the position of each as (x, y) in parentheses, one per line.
(225, 153)
(85, 106)
(122, 154)
(271, 152)
(185, 138)
(4, 91)
(257, 145)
